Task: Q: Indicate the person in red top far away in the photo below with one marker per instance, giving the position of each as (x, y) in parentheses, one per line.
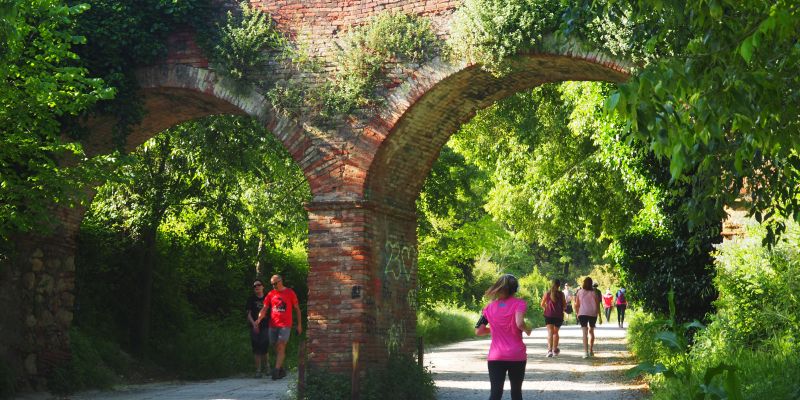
(281, 300)
(507, 353)
(608, 303)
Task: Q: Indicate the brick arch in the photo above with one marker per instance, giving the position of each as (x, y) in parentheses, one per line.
(442, 98)
(176, 93)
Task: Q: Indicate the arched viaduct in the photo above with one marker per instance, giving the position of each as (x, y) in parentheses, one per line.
(365, 176)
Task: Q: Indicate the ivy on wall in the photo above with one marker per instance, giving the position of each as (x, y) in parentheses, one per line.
(122, 36)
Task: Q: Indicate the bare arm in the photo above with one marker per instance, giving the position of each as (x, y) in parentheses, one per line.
(299, 319)
(482, 330)
(520, 320)
(577, 304)
(261, 315)
(250, 319)
(544, 300)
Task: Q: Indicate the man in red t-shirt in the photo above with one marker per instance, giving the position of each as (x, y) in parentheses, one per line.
(281, 300)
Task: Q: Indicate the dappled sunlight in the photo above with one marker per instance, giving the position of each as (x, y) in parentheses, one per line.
(461, 372)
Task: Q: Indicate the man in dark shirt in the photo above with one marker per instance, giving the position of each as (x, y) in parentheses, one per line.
(259, 334)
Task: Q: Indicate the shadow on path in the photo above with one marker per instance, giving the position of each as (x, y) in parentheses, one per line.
(461, 374)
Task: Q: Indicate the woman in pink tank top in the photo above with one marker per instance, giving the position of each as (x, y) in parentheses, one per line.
(507, 353)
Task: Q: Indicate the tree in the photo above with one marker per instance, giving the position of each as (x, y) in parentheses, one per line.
(221, 180)
(718, 96)
(41, 86)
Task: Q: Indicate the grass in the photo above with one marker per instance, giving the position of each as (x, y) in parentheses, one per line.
(446, 323)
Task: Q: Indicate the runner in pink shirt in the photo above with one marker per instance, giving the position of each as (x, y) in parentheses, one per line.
(505, 316)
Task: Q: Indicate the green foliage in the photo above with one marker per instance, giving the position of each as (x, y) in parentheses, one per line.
(87, 368)
(205, 348)
(122, 36)
(41, 87)
(444, 323)
(654, 262)
(7, 382)
(219, 195)
(757, 285)
(719, 104)
(749, 350)
(245, 44)
(325, 385)
(367, 54)
(488, 32)
(400, 379)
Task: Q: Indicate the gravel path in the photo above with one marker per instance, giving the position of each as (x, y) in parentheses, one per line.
(460, 373)
(460, 368)
(222, 389)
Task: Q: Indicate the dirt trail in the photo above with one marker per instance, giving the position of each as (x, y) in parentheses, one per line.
(460, 373)
(460, 368)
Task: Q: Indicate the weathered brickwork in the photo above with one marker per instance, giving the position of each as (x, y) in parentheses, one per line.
(365, 176)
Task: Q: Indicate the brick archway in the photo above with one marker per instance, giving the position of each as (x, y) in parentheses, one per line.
(365, 176)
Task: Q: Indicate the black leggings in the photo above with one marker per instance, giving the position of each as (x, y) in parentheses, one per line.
(608, 314)
(497, 377)
(621, 313)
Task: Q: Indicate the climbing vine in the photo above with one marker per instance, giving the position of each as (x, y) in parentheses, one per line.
(121, 36)
(365, 60)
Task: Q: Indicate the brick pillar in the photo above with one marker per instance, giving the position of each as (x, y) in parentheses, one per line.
(37, 284)
(361, 283)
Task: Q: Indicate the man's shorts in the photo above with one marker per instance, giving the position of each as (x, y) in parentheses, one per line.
(279, 334)
(260, 341)
(585, 319)
(554, 321)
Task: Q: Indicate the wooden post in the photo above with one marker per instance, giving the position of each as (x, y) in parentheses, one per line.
(301, 371)
(420, 351)
(354, 377)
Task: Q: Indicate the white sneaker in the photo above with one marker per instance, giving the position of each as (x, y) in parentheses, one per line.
(549, 354)
(586, 355)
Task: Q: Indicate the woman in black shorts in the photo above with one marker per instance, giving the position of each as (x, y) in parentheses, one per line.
(553, 303)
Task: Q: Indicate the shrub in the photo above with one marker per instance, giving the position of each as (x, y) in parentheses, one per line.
(87, 367)
(446, 323)
(367, 53)
(7, 381)
(208, 349)
(752, 337)
(243, 47)
(400, 379)
(487, 32)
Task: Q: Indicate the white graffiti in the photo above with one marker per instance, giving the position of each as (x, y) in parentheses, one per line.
(411, 298)
(395, 336)
(400, 260)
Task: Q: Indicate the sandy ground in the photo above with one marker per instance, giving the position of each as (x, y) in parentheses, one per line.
(461, 373)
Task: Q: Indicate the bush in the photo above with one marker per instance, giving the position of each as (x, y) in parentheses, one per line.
(401, 379)
(490, 31)
(87, 368)
(751, 339)
(446, 323)
(7, 379)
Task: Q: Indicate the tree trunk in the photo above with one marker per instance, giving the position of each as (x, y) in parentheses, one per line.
(258, 255)
(147, 262)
